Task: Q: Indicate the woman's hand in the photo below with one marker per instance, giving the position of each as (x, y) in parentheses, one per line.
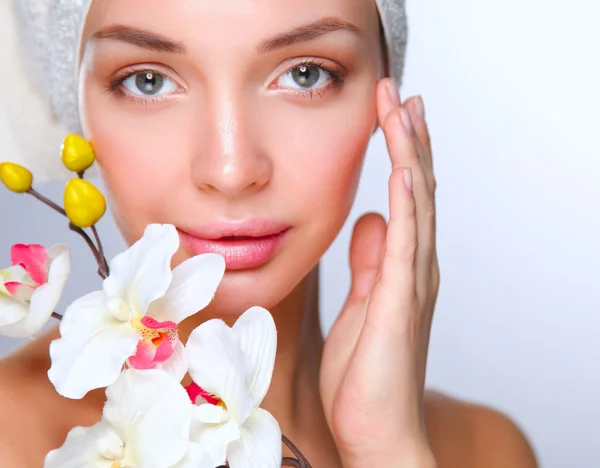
(373, 370)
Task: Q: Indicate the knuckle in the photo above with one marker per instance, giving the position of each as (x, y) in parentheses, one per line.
(430, 210)
(411, 212)
(404, 255)
(391, 120)
(408, 253)
(431, 182)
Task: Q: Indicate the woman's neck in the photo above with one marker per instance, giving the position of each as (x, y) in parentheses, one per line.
(299, 350)
(294, 398)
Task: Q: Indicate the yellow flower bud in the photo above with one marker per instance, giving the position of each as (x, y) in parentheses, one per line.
(15, 177)
(77, 153)
(84, 203)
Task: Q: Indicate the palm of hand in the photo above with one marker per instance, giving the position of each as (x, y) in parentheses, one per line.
(373, 368)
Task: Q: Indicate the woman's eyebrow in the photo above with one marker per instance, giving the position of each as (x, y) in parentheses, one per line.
(306, 33)
(141, 38)
(159, 43)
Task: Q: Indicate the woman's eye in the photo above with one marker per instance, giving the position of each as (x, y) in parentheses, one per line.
(305, 77)
(149, 84)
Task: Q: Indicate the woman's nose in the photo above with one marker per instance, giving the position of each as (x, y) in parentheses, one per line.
(231, 160)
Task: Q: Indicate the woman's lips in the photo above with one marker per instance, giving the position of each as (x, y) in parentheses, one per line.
(240, 251)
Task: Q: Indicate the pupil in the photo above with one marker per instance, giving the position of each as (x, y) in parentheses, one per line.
(149, 83)
(306, 75)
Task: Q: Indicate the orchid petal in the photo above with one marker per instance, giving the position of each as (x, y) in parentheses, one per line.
(92, 349)
(193, 286)
(218, 366)
(142, 273)
(259, 444)
(11, 311)
(213, 437)
(44, 298)
(152, 412)
(157, 344)
(196, 457)
(80, 448)
(19, 291)
(258, 340)
(211, 414)
(143, 358)
(15, 273)
(33, 258)
(177, 365)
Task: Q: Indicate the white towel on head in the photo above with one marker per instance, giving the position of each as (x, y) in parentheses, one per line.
(395, 26)
(39, 61)
(30, 133)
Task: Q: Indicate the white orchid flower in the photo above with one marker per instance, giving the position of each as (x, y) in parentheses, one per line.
(31, 288)
(231, 370)
(146, 423)
(134, 318)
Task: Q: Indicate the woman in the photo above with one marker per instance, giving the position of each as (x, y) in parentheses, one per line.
(245, 125)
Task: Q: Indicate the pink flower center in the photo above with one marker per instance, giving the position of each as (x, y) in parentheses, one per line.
(30, 265)
(34, 260)
(194, 391)
(20, 291)
(157, 343)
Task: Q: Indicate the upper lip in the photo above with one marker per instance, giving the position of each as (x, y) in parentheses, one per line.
(255, 227)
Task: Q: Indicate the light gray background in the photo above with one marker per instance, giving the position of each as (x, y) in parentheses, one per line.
(511, 89)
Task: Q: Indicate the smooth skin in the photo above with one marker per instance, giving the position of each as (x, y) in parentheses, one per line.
(381, 336)
(225, 145)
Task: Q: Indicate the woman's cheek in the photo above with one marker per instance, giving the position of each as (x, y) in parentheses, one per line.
(136, 164)
(326, 168)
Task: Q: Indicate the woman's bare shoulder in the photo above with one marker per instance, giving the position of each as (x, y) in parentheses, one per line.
(34, 419)
(16, 417)
(465, 435)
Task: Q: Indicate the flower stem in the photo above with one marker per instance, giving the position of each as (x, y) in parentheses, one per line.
(102, 264)
(301, 461)
(55, 207)
(46, 201)
(100, 258)
(96, 251)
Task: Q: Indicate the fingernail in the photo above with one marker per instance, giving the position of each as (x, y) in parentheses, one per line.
(406, 121)
(420, 107)
(408, 179)
(393, 92)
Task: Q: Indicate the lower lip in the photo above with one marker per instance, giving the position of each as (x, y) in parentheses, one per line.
(249, 252)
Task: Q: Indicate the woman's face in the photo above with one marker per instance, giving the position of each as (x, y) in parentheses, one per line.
(245, 118)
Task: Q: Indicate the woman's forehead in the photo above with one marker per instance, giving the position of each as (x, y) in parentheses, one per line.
(222, 18)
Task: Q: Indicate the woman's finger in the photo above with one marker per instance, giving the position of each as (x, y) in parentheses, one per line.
(417, 115)
(403, 153)
(388, 98)
(396, 289)
(416, 110)
(366, 252)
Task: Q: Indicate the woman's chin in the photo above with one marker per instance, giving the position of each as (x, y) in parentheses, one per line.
(241, 289)
(268, 285)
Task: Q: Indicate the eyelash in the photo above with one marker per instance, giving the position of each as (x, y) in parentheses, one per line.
(115, 85)
(336, 78)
